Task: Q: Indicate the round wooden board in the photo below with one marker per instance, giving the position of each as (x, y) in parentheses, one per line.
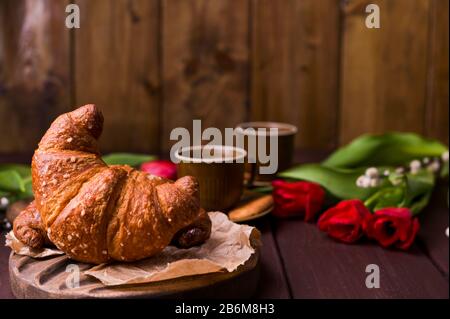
(249, 218)
(46, 278)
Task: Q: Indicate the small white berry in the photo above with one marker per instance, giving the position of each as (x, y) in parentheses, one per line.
(372, 172)
(445, 156)
(415, 166)
(434, 167)
(386, 173)
(4, 202)
(426, 160)
(359, 181)
(363, 181)
(399, 170)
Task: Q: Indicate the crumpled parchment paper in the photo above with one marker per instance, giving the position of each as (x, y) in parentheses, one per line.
(21, 249)
(229, 246)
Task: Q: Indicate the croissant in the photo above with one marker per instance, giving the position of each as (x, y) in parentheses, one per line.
(97, 213)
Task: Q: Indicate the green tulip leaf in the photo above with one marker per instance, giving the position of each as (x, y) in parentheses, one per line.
(28, 188)
(391, 149)
(11, 181)
(4, 194)
(420, 203)
(418, 190)
(23, 170)
(420, 183)
(340, 183)
(127, 159)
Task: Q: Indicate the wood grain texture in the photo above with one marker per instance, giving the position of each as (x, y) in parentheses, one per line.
(5, 288)
(383, 71)
(34, 70)
(205, 63)
(116, 66)
(318, 267)
(295, 54)
(273, 282)
(47, 279)
(434, 220)
(157, 64)
(438, 102)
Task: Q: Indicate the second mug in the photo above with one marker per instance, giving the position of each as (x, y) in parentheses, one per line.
(260, 132)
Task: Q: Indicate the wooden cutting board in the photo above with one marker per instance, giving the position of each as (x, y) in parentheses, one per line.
(46, 278)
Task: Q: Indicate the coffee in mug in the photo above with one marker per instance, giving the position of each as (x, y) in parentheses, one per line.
(219, 170)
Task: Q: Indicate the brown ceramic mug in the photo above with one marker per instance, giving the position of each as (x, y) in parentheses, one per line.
(219, 170)
(285, 136)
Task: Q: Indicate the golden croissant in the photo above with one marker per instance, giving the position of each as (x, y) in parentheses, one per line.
(97, 213)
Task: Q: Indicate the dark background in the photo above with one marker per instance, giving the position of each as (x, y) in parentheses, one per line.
(153, 65)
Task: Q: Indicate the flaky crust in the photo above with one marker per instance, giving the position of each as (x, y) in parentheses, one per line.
(96, 213)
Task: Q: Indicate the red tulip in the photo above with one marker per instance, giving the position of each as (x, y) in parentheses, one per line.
(161, 168)
(297, 199)
(345, 221)
(392, 226)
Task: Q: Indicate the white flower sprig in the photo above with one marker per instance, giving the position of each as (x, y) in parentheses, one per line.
(372, 177)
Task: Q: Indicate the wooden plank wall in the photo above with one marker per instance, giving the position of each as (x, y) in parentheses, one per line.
(397, 52)
(157, 64)
(205, 62)
(34, 71)
(116, 65)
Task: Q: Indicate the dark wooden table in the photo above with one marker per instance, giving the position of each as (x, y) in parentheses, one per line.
(299, 261)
